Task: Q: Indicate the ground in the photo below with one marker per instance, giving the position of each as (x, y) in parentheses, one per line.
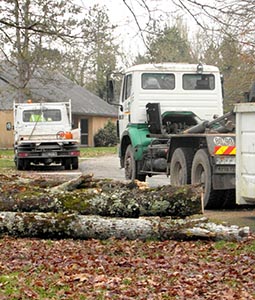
(121, 269)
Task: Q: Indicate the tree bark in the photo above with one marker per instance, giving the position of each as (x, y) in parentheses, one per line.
(66, 225)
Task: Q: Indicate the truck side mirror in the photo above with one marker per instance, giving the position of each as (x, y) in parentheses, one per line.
(246, 96)
(110, 91)
(250, 96)
(9, 126)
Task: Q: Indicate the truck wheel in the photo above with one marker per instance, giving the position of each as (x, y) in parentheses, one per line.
(180, 166)
(26, 164)
(19, 163)
(131, 166)
(67, 164)
(75, 163)
(201, 173)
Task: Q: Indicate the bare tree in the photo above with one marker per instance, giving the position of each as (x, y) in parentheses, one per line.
(222, 16)
(224, 35)
(89, 63)
(29, 30)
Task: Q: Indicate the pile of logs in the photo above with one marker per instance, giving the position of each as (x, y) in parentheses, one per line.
(86, 207)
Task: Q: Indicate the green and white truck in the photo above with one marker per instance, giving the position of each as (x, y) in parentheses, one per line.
(171, 122)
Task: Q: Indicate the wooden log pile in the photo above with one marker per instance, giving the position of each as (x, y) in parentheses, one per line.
(86, 207)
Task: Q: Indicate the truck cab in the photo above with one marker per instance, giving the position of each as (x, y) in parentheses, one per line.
(164, 98)
(176, 87)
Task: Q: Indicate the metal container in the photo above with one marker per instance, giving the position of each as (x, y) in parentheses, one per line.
(245, 153)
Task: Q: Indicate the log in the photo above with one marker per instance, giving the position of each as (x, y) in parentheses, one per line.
(85, 180)
(66, 225)
(106, 198)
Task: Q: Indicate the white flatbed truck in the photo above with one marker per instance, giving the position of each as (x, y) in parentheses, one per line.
(42, 135)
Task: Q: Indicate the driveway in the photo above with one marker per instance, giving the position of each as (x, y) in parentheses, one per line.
(109, 167)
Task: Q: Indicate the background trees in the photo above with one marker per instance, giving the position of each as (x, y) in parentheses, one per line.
(82, 44)
(30, 31)
(56, 35)
(169, 44)
(224, 38)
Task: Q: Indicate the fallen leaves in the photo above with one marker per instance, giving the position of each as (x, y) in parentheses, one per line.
(121, 269)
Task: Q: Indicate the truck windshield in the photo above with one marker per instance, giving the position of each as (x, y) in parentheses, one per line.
(37, 115)
(198, 82)
(158, 81)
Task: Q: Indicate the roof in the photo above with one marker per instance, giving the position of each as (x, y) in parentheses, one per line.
(52, 87)
(170, 67)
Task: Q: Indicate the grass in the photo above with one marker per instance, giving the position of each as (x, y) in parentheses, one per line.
(97, 151)
(16, 286)
(6, 156)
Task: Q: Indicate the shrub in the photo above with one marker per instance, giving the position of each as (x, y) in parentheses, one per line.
(107, 136)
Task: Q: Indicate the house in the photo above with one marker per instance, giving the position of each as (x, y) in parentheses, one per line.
(89, 112)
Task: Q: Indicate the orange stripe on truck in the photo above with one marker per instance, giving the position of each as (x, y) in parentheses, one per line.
(225, 150)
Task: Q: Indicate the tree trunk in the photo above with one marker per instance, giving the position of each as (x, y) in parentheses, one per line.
(66, 225)
(105, 198)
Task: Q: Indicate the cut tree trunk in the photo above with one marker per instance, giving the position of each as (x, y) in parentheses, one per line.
(66, 225)
(87, 196)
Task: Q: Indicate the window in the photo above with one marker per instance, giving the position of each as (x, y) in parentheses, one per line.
(198, 82)
(127, 87)
(37, 115)
(158, 81)
(84, 132)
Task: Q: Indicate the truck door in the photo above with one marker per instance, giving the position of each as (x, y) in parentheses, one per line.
(124, 110)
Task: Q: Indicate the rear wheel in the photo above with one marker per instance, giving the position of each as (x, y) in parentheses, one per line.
(75, 163)
(201, 173)
(67, 164)
(19, 163)
(180, 166)
(131, 166)
(26, 164)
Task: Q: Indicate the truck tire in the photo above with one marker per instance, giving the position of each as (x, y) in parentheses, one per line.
(201, 173)
(26, 164)
(19, 164)
(67, 163)
(75, 163)
(180, 166)
(131, 166)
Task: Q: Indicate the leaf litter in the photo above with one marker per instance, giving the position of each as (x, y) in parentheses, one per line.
(121, 269)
